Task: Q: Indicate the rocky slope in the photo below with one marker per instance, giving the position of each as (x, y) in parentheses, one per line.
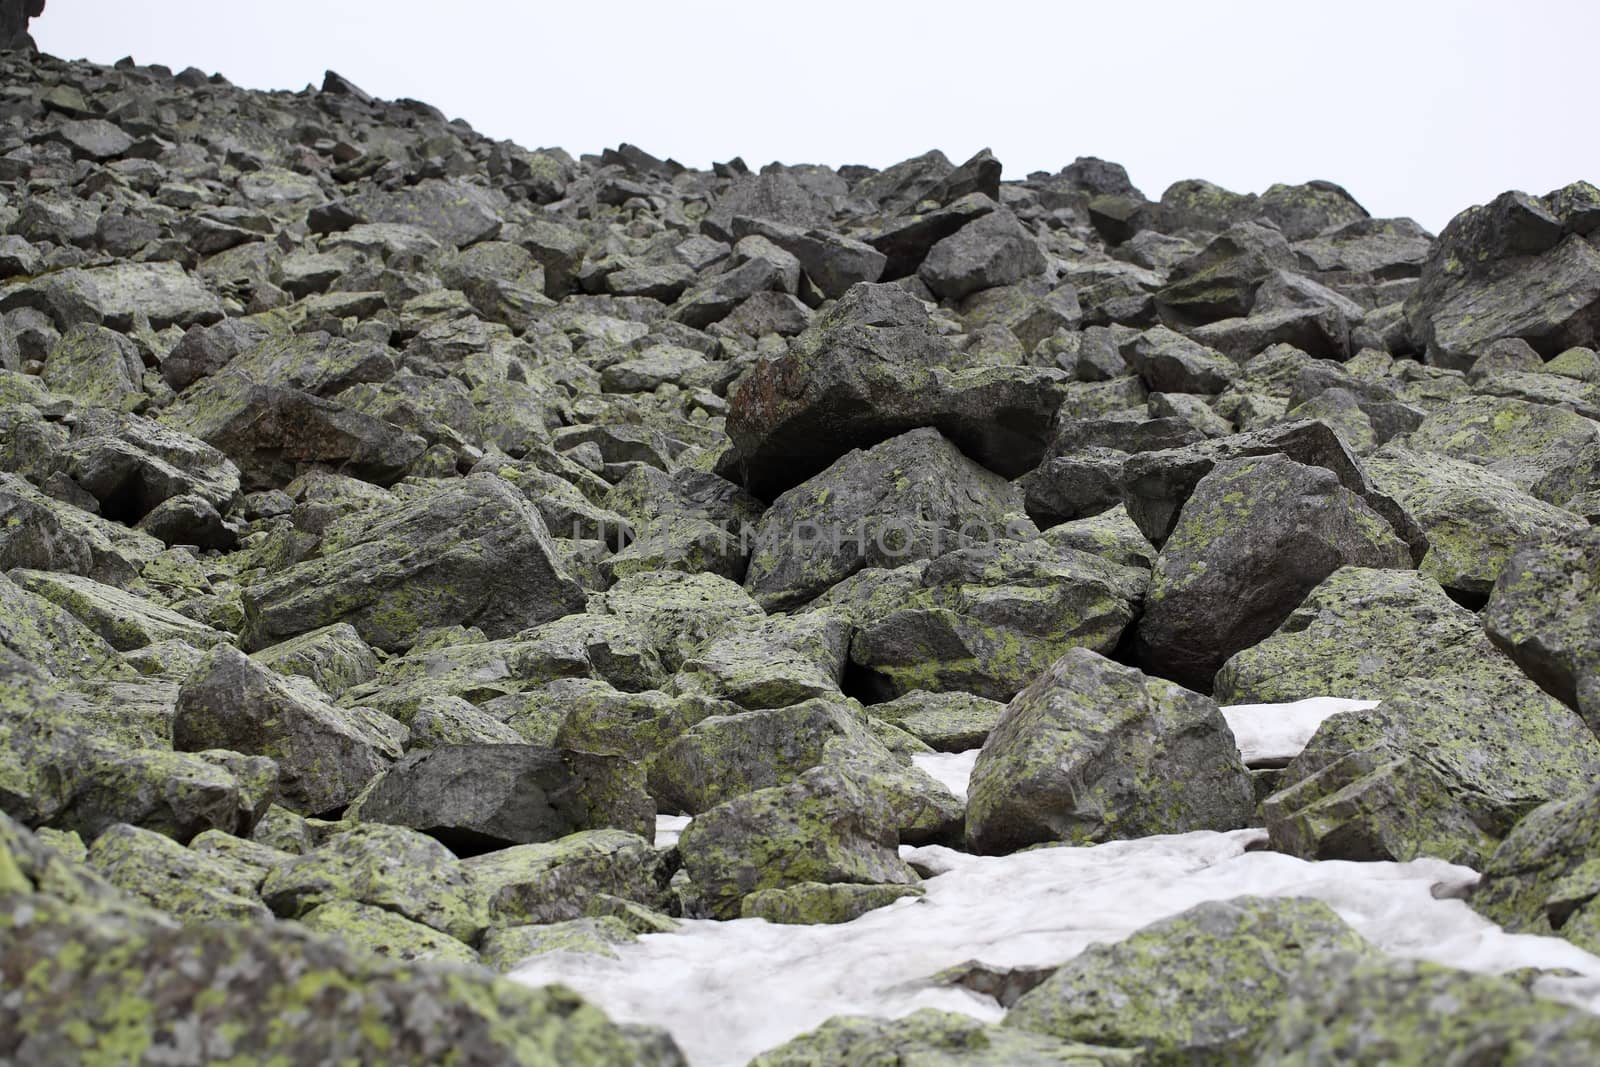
(395, 522)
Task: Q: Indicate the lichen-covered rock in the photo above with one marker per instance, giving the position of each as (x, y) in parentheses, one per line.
(506, 947)
(325, 755)
(992, 250)
(49, 638)
(679, 612)
(470, 552)
(930, 1038)
(913, 497)
(125, 621)
(1201, 987)
(947, 722)
(1545, 612)
(178, 794)
(868, 369)
(1545, 876)
(988, 619)
(1094, 751)
(1473, 518)
(96, 365)
(826, 826)
(1110, 535)
(387, 867)
(334, 657)
(1371, 1011)
(191, 886)
(1256, 536)
(811, 903)
(365, 928)
(780, 661)
(476, 798)
(1549, 452)
(55, 536)
(560, 880)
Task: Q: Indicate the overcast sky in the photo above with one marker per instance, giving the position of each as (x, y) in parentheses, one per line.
(1418, 107)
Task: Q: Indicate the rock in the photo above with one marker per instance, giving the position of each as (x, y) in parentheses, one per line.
(832, 261)
(912, 497)
(988, 620)
(1157, 991)
(1171, 363)
(1110, 535)
(475, 798)
(1369, 1011)
(677, 612)
(96, 366)
(1220, 281)
(74, 955)
(1256, 536)
(116, 295)
(192, 887)
(334, 657)
(929, 1036)
(1304, 211)
(454, 212)
(471, 551)
(823, 827)
(990, 251)
(364, 928)
(868, 369)
(1157, 484)
(948, 722)
(1548, 452)
(1544, 611)
(1510, 268)
(558, 880)
(812, 903)
(1473, 518)
(715, 299)
(1093, 751)
(507, 948)
(325, 755)
(780, 661)
(1541, 879)
(131, 466)
(124, 621)
(388, 867)
(176, 794)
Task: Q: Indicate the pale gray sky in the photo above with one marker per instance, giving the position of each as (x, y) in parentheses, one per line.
(1418, 107)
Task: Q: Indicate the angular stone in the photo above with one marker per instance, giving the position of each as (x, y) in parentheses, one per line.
(993, 250)
(192, 887)
(559, 880)
(1544, 611)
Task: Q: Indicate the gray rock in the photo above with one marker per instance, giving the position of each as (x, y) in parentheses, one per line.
(1544, 611)
(993, 250)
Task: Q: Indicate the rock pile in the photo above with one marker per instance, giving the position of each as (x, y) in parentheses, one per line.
(394, 522)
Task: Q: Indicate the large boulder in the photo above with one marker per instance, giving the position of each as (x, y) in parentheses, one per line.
(1158, 991)
(913, 497)
(1544, 611)
(779, 661)
(467, 552)
(1549, 452)
(1256, 536)
(989, 619)
(1094, 751)
(990, 251)
(870, 368)
(325, 755)
(1545, 876)
(1516, 267)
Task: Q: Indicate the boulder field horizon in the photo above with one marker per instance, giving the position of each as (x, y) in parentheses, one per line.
(396, 524)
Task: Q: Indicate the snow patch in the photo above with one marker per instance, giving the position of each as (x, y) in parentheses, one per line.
(1270, 733)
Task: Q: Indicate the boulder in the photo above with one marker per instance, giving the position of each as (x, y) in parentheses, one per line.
(1542, 878)
(990, 251)
(1544, 611)
(1093, 751)
(325, 755)
(932, 1036)
(189, 885)
(780, 661)
(1548, 452)
(560, 880)
(1256, 536)
(471, 552)
(912, 497)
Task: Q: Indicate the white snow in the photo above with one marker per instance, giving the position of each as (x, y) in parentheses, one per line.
(1270, 732)
(730, 990)
(668, 829)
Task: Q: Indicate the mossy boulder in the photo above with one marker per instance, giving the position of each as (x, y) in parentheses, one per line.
(1200, 988)
(826, 826)
(506, 947)
(813, 903)
(1544, 877)
(178, 794)
(931, 1038)
(365, 928)
(1372, 1011)
(1544, 611)
(987, 620)
(325, 755)
(1474, 519)
(678, 612)
(48, 637)
(912, 497)
(605, 721)
(1110, 535)
(96, 367)
(1094, 751)
(125, 621)
(334, 657)
(388, 867)
(1256, 536)
(1551, 453)
(476, 798)
(189, 885)
(778, 661)
(946, 722)
(560, 880)
(471, 551)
